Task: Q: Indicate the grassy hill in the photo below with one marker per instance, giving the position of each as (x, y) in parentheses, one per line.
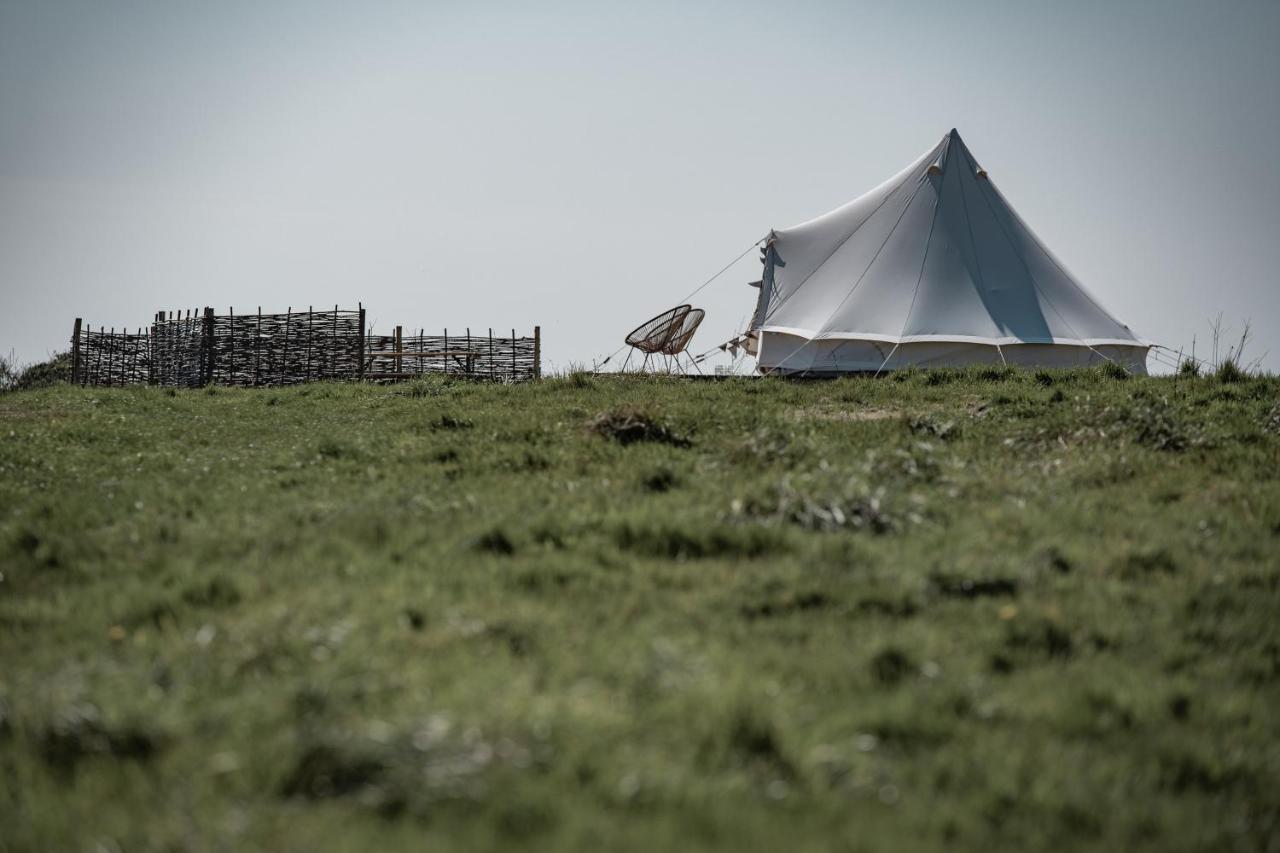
(932, 611)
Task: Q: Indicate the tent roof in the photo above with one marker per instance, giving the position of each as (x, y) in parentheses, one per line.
(935, 253)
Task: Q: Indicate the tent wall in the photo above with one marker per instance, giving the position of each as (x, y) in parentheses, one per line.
(784, 353)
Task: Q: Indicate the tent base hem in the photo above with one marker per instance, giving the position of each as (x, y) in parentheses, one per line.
(789, 354)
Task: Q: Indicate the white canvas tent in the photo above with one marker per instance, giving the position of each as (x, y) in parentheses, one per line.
(932, 267)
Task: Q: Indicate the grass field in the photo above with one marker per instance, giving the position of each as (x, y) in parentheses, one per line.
(945, 610)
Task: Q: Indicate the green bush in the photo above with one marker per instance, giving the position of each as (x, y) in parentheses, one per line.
(39, 375)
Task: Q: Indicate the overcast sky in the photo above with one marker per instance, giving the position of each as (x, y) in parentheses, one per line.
(583, 166)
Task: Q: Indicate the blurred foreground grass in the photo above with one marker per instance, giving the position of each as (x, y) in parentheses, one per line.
(939, 610)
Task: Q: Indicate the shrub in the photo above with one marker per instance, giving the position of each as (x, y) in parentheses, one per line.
(1189, 368)
(40, 375)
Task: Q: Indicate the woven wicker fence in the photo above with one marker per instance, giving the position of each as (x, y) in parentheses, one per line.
(482, 357)
(194, 348)
(110, 357)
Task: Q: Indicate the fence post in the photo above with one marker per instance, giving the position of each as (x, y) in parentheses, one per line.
(75, 352)
(311, 315)
(284, 352)
(491, 355)
(231, 355)
(537, 352)
(360, 365)
(398, 344)
(513, 355)
(132, 349)
(152, 346)
(111, 355)
(208, 343)
(257, 345)
(333, 346)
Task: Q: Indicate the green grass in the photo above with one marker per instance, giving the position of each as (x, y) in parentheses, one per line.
(938, 610)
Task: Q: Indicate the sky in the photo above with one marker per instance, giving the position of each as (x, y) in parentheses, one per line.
(583, 166)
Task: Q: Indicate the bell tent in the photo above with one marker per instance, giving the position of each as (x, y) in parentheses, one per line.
(931, 268)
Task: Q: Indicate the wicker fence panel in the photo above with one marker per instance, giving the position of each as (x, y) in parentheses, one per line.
(179, 350)
(481, 357)
(111, 358)
(287, 349)
(195, 348)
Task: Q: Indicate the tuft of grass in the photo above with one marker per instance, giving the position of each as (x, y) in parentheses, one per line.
(495, 541)
(684, 543)
(660, 480)
(933, 428)
(450, 422)
(1158, 426)
(1113, 370)
(850, 507)
(78, 732)
(891, 665)
(1229, 372)
(1271, 422)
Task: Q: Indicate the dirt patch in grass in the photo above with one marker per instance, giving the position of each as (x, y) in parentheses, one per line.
(629, 424)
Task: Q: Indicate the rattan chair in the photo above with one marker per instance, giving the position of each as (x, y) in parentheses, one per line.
(667, 335)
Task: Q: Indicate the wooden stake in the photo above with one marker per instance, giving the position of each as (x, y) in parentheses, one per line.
(208, 345)
(75, 352)
(360, 360)
(231, 317)
(310, 323)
